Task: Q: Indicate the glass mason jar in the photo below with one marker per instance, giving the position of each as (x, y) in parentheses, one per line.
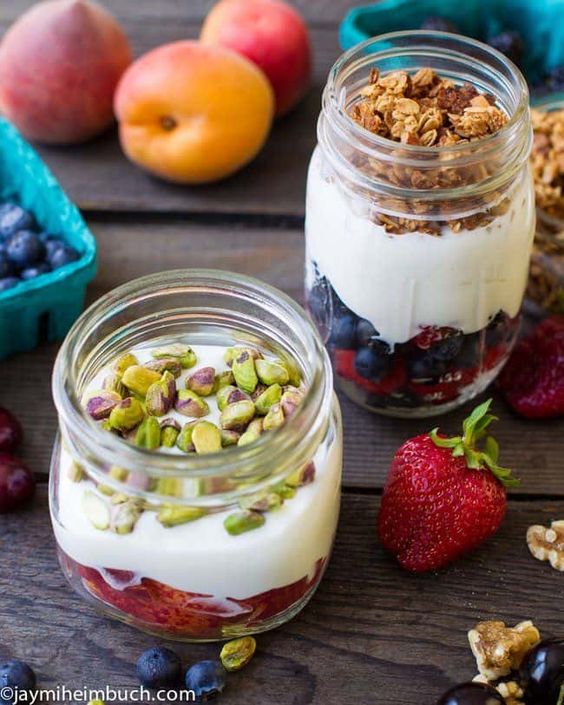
(195, 581)
(417, 257)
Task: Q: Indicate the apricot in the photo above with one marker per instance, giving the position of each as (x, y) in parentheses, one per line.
(191, 113)
(273, 36)
(60, 63)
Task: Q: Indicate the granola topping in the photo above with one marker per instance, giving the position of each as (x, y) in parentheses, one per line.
(547, 544)
(548, 160)
(499, 649)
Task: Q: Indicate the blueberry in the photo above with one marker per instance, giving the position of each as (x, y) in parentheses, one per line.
(17, 674)
(343, 332)
(509, 43)
(471, 694)
(318, 299)
(426, 366)
(6, 268)
(159, 667)
(52, 244)
(448, 348)
(497, 330)
(366, 334)
(35, 271)
(438, 24)
(542, 672)
(555, 80)
(206, 679)
(14, 218)
(470, 353)
(24, 249)
(62, 255)
(371, 364)
(8, 283)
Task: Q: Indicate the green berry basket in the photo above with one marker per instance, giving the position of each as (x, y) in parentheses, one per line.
(44, 308)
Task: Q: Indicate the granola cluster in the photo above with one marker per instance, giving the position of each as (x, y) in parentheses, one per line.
(425, 109)
(548, 160)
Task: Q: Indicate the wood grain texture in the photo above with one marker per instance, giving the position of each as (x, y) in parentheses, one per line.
(372, 634)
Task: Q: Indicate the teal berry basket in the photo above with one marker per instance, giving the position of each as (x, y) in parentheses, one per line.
(44, 308)
(539, 22)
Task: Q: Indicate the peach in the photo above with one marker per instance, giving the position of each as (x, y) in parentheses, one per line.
(191, 113)
(59, 65)
(272, 35)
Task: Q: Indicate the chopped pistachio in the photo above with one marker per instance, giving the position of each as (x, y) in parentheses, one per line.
(290, 400)
(244, 372)
(173, 515)
(229, 395)
(229, 438)
(138, 379)
(237, 415)
(124, 516)
(262, 502)
(223, 379)
(274, 419)
(165, 364)
(148, 434)
(112, 383)
(75, 472)
(125, 361)
(170, 429)
(100, 404)
(171, 486)
(206, 437)
(303, 476)
(183, 353)
(231, 353)
(188, 403)
(161, 395)
(242, 522)
(202, 381)
(285, 491)
(126, 415)
(271, 395)
(96, 510)
(184, 440)
(252, 433)
(294, 372)
(236, 654)
(270, 372)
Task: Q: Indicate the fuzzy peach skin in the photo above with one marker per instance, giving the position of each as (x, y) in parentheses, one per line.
(273, 36)
(191, 113)
(60, 63)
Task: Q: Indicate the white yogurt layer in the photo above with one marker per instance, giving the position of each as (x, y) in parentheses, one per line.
(401, 283)
(200, 556)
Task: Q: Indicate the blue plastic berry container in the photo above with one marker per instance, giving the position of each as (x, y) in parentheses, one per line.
(44, 308)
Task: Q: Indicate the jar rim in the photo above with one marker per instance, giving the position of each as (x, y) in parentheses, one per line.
(305, 424)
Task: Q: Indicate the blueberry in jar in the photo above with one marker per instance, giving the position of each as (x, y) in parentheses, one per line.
(496, 331)
(35, 271)
(159, 667)
(8, 283)
(434, 23)
(371, 364)
(343, 331)
(14, 218)
(24, 249)
(509, 43)
(449, 348)
(470, 353)
(206, 679)
(471, 694)
(18, 675)
(61, 256)
(542, 673)
(426, 366)
(6, 268)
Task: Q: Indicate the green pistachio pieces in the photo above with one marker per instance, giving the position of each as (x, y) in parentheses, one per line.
(231, 353)
(170, 486)
(264, 502)
(112, 383)
(124, 516)
(244, 372)
(303, 476)
(173, 515)
(138, 379)
(202, 381)
(126, 415)
(229, 438)
(206, 437)
(125, 361)
(161, 395)
(252, 433)
(75, 472)
(178, 351)
(96, 510)
(274, 419)
(188, 403)
(148, 434)
(290, 400)
(242, 522)
(236, 654)
(238, 415)
(184, 440)
(270, 372)
(294, 372)
(165, 364)
(223, 379)
(229, 395)
(170, 430)
(271, 395)
(285, 491)
(100, 404)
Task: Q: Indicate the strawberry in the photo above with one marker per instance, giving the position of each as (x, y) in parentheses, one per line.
(533, 379)
(443, 496)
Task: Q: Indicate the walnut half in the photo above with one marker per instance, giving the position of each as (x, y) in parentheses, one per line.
(499, 649)
(547, 544)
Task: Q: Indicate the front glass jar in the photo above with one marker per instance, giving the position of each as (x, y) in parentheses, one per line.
(186, 545)
(417, 256)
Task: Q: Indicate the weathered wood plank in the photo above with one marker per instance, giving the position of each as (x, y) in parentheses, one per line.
(372, 634)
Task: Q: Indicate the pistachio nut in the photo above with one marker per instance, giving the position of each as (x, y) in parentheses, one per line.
(126, 415)
(125, 361)
(161, 395)
(115, 473)
(263, 502)
(270, 372)
(75, 472)
(223, 379)
(138, 379)
(183, 353)
(96, 510)
(124, 516)
(303, 476)
(294, 372)
(244, 372)
(170, 429)
(229, 438)
(236, 654)
(274, 419)
(259, 389)
(238, 415)
(202, 381)
(206, 437)
(119, 498)
(231, 353)
(165, 364)
(240, 522)
(100, 404)
(290, 400)
(170, 486)
(252, 432)
(173, 515)
(285, 491)
(271, 395)
(138, 479)
(148, 434)
(229, 395)
(188, 403)
(112, 383)
(184, 440)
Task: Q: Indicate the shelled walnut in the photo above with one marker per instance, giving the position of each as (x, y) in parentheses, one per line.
(499, 649)
(547, 544)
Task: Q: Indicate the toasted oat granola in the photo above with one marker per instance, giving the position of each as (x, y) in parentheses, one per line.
(548, 160)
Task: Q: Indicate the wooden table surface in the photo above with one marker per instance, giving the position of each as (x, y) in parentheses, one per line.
(372, 633)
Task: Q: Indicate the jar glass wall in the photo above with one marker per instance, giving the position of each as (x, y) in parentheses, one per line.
(417, 257)
(192, 579)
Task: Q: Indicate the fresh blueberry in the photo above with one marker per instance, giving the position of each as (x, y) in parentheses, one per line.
(555, 80)
(24, 249)
(471, 694)
(438, 24)
(35, 271)
(51, 244)
(542, 672)
(159, 667)
(17, 674)
(509, 43)
(6, 268)
(62, 255)
(14, 218)
(497, 330)
(8, 283)
(318, 299)
(470, 353)
(426, 366)
(205, 679)
(371, 364)
(448, 348)
(343, 333)
(366, 334)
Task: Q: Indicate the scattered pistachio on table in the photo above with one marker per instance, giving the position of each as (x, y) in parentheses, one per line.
(236, 654)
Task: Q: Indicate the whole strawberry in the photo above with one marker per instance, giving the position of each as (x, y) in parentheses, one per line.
(533, 379)
(444, 496)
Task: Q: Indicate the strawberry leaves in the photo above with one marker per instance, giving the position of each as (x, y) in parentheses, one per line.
(475, 429)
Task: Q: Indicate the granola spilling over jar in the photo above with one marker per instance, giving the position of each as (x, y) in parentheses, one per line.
(419, 220)
(195, 489)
